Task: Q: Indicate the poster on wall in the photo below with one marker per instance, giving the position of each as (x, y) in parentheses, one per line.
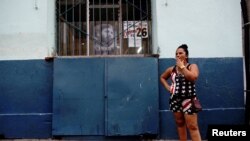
(135, 29)
(105, 39)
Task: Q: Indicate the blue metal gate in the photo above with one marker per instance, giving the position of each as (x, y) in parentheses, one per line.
(132, 96)
(78, 97)
(105, 96)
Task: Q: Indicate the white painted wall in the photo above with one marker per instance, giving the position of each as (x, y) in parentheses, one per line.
(27, 29)
(211, 28)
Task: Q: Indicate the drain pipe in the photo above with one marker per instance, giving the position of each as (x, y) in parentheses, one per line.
(246, 25)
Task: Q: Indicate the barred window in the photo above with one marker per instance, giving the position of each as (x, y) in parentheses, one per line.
(103, 27)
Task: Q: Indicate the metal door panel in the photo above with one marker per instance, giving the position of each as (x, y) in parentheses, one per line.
(132, 96)
(78, 97)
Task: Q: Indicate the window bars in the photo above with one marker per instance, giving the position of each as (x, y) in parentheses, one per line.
(103, 27)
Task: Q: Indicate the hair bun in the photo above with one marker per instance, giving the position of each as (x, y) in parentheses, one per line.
(184, 46)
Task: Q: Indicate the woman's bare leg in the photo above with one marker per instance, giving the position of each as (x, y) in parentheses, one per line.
(181, 125)
(192, 125)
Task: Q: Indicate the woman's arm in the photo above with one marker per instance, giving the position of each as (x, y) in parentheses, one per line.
(191, 73)
(164, 77)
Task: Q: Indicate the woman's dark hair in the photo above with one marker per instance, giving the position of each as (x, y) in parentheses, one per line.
(185, 48)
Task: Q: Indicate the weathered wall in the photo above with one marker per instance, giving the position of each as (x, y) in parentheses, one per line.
(211, 28)
(28, 33)
(27, 29)
(27, 91)
(220, 92)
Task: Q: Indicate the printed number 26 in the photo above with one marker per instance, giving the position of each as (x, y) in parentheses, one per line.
(141, 32)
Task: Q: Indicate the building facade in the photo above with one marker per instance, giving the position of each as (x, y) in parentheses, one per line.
(90, 68)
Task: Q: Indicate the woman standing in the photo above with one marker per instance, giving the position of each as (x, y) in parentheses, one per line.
(182, 89)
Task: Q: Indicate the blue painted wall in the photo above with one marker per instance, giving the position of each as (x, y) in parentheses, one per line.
(26, 99)
(26, 89)
(220, 89)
